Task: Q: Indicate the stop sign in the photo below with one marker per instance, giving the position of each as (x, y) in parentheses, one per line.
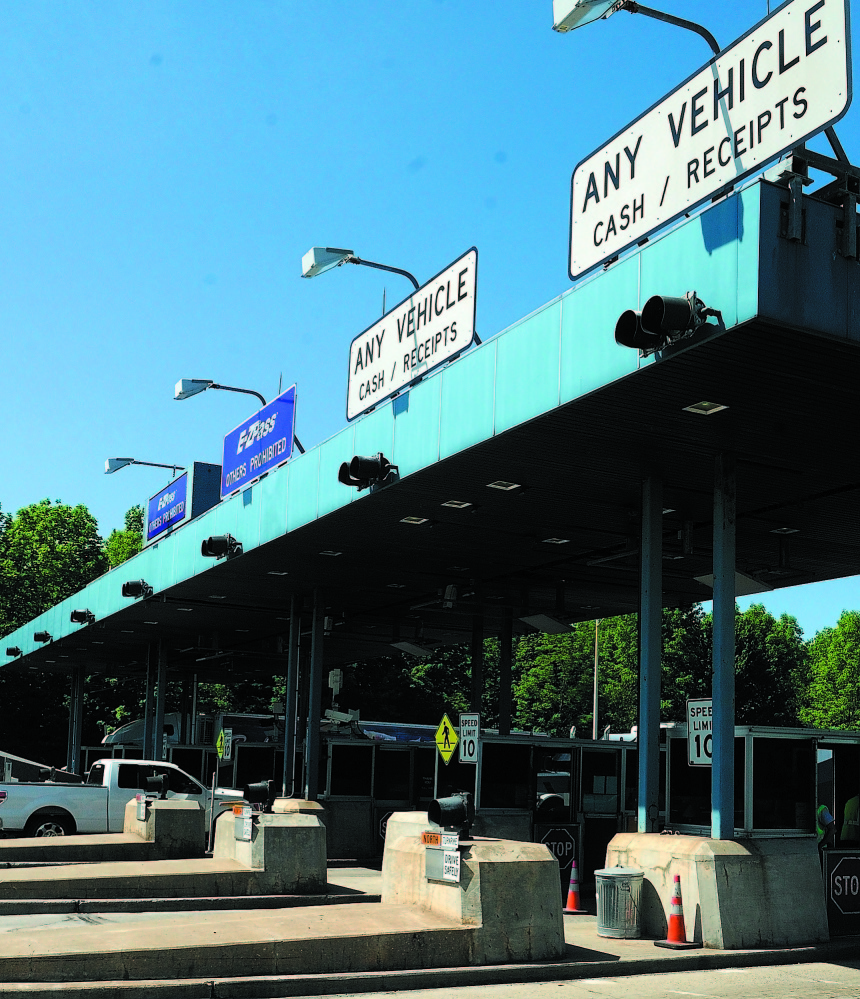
(845, 885)
(383, 825)
(562, 845)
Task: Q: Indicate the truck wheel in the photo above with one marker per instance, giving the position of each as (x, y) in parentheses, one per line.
(49, 825)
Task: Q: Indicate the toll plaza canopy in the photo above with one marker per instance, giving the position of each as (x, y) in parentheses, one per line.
(542, 437)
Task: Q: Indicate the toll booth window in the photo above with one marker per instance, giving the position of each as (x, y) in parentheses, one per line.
(600, 781)
(391, 779)
(505, 771)
(351, 770)
(553, 783)
(690, 798)
(424, 761)
(783, 784)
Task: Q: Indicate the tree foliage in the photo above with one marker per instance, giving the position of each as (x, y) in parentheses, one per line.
(122, 545)
(829, 697)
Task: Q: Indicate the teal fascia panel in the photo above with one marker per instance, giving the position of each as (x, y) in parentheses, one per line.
(303, 489)
(247, 527)
(273, 504)
(749, 254)
(186, 550)
(468, 400)
(333, 453)
(416, 429)
(375, 432)
(156, 565)
(590, 357)
(527, 368)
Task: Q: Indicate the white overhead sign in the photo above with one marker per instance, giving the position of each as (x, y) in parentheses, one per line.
(700, 731)
(431, 326)
(785, 80)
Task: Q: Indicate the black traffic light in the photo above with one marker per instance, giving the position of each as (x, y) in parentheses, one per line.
(42, 636)
(220, 546)
(454, 812)
(365, 470)
(261, 793)
(136, 588)
(13, 650)
(157, 784)
(82, 617)
(662, 320)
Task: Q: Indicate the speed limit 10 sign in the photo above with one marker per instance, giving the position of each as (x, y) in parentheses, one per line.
(700, 731)
(470, 737)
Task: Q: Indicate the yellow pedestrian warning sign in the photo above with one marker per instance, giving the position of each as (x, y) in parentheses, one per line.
(219, 745)
(446, 739)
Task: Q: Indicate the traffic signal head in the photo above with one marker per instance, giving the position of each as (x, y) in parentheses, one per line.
(456, 811)
(630, 332)
(220, 546)
(82, 617)
(365, 470)
(42, 636)
(662, 320)
(261, 793)
(157, 784)
(13, 650)
(136, 588)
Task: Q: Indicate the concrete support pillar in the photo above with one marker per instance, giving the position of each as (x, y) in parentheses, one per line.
(160, 698)
(312, 736)
(506, 654)
(149, 700)
(477, 659)
(650, 648)
(192, 721)
(723, 691)
(289, 777)
(76, 721)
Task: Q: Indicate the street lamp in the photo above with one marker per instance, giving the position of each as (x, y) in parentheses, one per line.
(115, 464)
(187, 387)
(570, 14)
(320, 259)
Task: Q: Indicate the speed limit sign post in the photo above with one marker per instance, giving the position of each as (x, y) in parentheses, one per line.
(700, 731)
(470, 737)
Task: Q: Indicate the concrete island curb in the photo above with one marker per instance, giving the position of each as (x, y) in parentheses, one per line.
(216, 903)
(295, 986)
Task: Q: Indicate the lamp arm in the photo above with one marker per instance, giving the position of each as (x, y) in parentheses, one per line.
(680, 22)
(157, 464)
(383, 267)
(230, 388)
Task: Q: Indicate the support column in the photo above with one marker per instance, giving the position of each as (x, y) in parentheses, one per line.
(312, 736)
(160, 698)
(149, 700)
(650, 648)
(76, 721)
(723, 690)
(289, 776)
(506, 654)
(192, 721)
(477, 659)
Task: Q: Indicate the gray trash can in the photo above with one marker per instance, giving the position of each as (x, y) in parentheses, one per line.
(619, 897)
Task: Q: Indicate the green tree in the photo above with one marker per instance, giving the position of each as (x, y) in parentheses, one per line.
(829, 697)
(47, 552)
(122, 545)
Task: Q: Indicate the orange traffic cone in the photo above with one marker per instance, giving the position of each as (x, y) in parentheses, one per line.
(573, 908)
(676, 938)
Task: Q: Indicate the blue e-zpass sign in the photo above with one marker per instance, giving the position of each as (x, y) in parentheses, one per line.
(167, 508)
(260, 444)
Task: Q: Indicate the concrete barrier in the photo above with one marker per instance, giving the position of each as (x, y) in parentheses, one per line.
(737, 894)
(507, 889)
(177, 829)
(286, 852)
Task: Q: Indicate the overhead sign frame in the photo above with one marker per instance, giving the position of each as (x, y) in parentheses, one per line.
(259, 444)
(430, 327)
(657, 168)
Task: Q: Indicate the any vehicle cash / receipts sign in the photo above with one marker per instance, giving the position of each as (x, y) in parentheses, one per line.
(431, 326)
(788, 78)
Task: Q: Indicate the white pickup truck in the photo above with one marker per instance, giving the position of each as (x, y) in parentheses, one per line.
(98, 806)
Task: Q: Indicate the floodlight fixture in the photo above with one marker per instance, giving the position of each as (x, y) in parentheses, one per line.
(82, 616)
(413, 649)
(43, 636)
(570, 14)
(135, 588)
(220, 546)
(363, 471)
(320, 259)
(13, 650)
(115, 464)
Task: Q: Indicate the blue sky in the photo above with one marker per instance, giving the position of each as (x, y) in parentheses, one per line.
(167, 164)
